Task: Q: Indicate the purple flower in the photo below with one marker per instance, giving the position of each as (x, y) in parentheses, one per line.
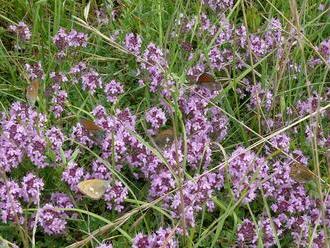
(36, 151)
(10, 155)
(258, 45)
(61, 200)
(91, 80)
(31, 188)
(21, 30)
(35, 71)
(105, 245)
(77, 71)
(133, 43)
(161, 183)
(219, 123)
(241, 36)
(218, 5)
(273, 37)
(56, 138)
(195, 193)
(260, 97)
(102, 16)
(58, 102)
(156, 118)
(113, 90)
(99, 170)
(246, 233)
(324, 49)
(115, 196)
(220, 58)
(51, 220)
(281, 142)
(161, 238)
(10, 207)
(63, 39)
(141, 241)
(73, 175)
(199, 152)
(246, 170)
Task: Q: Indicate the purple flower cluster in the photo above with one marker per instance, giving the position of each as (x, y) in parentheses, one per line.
(35, 71)
(22, 134)
(51, 220)
(21, 30)
(163, 237)
(72, 175)
(73, 39)
(115, 196)
(105, 245)
(90, 79)
(219, 5)
(246, 170)
(154, 63)
(195, 194)
(324, 49)
(113, 90)
(10, 206)
(31, 188)
(156, 118)
(133, 43)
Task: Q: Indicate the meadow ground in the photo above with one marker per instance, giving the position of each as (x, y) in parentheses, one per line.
(150, 124)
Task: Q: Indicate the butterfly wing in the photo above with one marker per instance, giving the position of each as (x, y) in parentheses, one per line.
(32, 91)
(206, 80)
(95, 132)
(93, 188)
(301, 173)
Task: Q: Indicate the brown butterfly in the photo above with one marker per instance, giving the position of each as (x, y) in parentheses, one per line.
(95, 132)
(206, 80)
(164, 138)
(301, 173)
(93, 188)
(32, 91)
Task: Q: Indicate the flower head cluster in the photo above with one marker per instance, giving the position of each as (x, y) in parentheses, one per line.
(219, 5)
(51, 220)
(105, 245)
(246, 170)
(58, 102)
(31, 188)
(61, 200)
(21, 30)
(163, 237)
(22, 134)
(195, 194)
(91, 80)
(35, 71)
(154, 63)
(113, 90)
(64, 39)
(156, 118)
(133, 43)
(115, 196)
(10, 206)
(324, 49)
(73, 175)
